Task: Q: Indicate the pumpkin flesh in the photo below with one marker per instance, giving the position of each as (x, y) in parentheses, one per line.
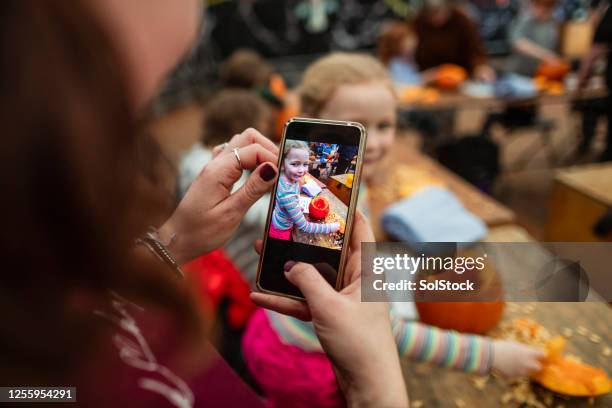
(568, 376)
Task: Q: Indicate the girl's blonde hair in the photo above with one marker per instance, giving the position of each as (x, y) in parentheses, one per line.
(325, 75)
(295, 144)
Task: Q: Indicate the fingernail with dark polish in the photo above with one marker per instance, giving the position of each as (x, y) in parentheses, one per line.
(289, 265)
(267, 172)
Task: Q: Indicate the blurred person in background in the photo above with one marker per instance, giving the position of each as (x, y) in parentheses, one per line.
(601, 48)
(246, 69)
(534, 38)
(81, 304)
(227, 113)
(396, 47)
(447, 36)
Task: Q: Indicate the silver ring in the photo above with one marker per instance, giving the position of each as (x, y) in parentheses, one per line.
(235, 150)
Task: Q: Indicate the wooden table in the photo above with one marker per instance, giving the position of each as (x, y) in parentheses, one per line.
(460, 101)
(437, 387)
(338, 185)
(581, 196)
(324, 240)
(483, 206)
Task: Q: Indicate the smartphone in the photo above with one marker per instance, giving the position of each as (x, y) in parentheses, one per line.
(313, 202)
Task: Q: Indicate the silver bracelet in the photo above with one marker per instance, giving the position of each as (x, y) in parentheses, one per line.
(152, 242)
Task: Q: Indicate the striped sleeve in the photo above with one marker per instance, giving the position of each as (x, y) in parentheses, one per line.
(443, 348)
(288, 201)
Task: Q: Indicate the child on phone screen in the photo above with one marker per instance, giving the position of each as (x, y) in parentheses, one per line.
(283, 353)
(287, 213)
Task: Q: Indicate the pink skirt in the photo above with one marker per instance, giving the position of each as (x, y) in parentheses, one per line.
(288, 375)
(285, 235)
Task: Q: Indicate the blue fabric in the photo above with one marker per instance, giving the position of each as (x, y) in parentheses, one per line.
(515, 86)
(404, 73)
(433, 214)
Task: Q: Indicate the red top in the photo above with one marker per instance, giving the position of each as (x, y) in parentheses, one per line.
(456, 42)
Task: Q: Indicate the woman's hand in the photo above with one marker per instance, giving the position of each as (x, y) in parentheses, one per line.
(355, 335)
(514, 360)
(210, 213)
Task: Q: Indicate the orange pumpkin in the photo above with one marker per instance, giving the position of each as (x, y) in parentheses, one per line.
(568, 376)
(468, 312)
(553, 71)
(318, 208)
(555, 88)
(540, 83)
(417, 94)
(449, 76)
(410, 94)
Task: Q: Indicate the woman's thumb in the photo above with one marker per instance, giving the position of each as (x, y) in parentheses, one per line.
(307, 279)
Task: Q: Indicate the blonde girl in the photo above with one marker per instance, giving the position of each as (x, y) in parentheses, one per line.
(287, 213)
(283, 353)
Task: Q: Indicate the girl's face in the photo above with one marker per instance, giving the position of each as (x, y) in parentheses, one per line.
(373, 105)
(409, 45)
(296, 164)
(542, 12)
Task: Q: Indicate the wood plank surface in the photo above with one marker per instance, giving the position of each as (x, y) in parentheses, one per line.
(483, 206)
(437, 387)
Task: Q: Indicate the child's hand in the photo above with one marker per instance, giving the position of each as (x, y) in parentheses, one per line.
(512, 359)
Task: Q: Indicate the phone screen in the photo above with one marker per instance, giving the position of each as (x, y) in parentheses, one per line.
(312, 201)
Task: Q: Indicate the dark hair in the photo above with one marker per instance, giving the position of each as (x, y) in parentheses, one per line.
(245, 69)
(390, 40)
(230, 112)
(78, 186)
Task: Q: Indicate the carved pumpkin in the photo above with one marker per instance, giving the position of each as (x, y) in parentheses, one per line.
(568, 376)
(318, 208)
(553, 71)
(467, 314)
(449, 76)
